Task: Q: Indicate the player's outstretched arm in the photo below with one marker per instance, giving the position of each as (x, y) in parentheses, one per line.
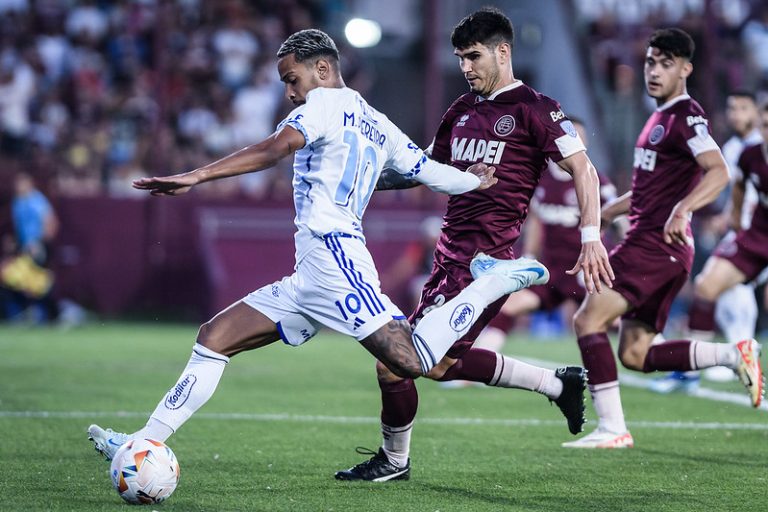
(390, 179)
(449, 180)
(593, 259)
(256, 157)
(714, 181)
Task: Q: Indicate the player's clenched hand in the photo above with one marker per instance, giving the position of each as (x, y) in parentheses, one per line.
(593, 262)
(167, 185)
(485, 173)
(676, 229)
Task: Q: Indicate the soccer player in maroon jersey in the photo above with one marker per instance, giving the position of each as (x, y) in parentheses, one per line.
(678, 168)
(552, 237)
(507, 124)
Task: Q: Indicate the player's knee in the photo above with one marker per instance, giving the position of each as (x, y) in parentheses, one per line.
(384, 374)
(583, 323)
(404, 367)
(705, 289)
(632, 358)
(208, 337)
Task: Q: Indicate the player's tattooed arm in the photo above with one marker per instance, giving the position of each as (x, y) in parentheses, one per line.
(390, 179)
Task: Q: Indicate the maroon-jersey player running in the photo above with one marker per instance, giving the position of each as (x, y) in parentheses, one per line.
(506, 123)
(678, 168)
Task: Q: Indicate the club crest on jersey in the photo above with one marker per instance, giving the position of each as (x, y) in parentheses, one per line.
(504, 125)
(463, 120)
(568, 128)
(656, 134)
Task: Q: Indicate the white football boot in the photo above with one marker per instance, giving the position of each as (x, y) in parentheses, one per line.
(602, 439)
(106, 442)
(749, 370)
(518, 274)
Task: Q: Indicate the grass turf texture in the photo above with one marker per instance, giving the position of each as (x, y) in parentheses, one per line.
(277, 457)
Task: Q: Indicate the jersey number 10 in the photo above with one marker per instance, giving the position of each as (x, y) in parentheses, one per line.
(358, 169)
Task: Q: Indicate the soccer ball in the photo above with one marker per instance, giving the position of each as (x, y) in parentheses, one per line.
(144, 471)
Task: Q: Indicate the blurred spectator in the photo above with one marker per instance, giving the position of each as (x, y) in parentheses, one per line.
(755, 38)
(17, 86)
(405, 279)
(24, 273)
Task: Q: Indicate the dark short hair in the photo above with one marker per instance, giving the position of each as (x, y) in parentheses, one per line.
(743, 93)
(488, 26)
(673, 42)
(309, 44)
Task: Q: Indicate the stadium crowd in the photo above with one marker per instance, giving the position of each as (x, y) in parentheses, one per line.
(95, 93)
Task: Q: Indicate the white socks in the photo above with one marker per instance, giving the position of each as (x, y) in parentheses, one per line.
(397, 443)
(706, 355)
(443, 326)
(607, 402)
(511, 373)
(196, 385)
(736, 313)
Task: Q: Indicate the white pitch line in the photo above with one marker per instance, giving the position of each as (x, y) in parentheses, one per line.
(344, 420)
(633, 381)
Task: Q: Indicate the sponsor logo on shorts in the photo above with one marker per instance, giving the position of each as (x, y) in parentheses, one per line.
(504, 125)
(180, 393)
(462, 316)
(275, 291)
(657, 133)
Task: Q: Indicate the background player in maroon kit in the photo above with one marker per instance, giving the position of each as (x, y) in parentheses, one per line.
(551, 236)
(504, 123)
(678, 168)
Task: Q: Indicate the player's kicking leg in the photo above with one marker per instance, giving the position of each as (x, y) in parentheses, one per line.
(239, 327)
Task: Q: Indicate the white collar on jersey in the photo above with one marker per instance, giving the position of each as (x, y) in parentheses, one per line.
(513, 85)
(671, 102)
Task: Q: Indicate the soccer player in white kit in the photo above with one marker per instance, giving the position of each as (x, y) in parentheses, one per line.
(341, 145)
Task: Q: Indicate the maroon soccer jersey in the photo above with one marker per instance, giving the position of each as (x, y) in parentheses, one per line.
(665, 170)
(516, 130)
(753, 163)
(556, 206)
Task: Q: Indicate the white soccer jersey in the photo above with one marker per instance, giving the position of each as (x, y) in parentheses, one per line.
(348, 143)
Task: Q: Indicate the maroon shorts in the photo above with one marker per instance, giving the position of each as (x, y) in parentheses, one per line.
(748, 251)
(649, 279)
(448, 278)
(560, 288)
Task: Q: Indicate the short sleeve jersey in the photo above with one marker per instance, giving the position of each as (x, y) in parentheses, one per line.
(348, 143)
(516, 130)
(753, 164)
(665, 170)
(555, 204)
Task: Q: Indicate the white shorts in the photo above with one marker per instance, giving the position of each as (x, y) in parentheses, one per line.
(336, 285)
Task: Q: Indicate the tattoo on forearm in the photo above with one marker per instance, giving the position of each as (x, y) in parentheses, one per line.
(390, 179)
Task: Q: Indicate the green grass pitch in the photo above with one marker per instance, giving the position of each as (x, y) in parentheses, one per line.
(284, 419)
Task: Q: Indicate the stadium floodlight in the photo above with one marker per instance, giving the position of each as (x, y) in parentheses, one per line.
(362, 33)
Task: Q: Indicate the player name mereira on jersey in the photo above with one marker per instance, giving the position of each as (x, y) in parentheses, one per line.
(368, 130)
